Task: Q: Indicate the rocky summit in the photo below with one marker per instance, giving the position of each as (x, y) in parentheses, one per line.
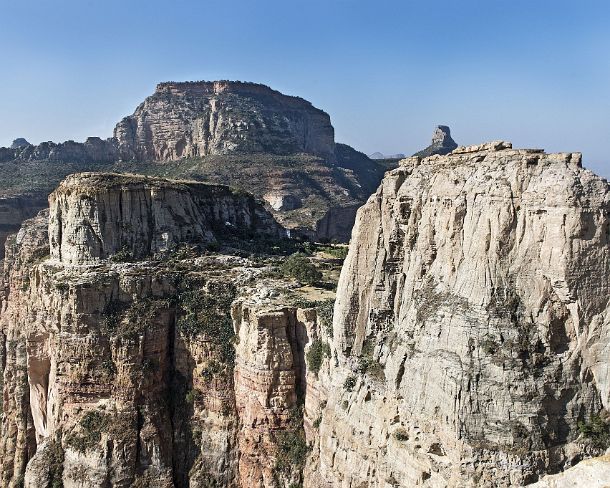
(442, 143)
(222, 117)
(167, 333)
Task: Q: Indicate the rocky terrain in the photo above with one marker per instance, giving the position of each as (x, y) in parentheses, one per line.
(278, 147)
(155, 334)
(378, 155)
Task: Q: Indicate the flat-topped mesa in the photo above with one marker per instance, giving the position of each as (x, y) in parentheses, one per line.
(94, 216)
(223, 117)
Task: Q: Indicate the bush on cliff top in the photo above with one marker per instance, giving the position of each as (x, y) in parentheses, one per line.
(209, 313)
(301, 269)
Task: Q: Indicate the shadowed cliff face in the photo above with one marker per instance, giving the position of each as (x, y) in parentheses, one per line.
(471, 325)
(14, 210)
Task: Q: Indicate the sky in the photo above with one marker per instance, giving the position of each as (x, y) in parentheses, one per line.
(533, 72)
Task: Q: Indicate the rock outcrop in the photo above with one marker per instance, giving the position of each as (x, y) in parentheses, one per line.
(14, 210)
(19, 143)
(93, 150)
(442, 143)
(95, 216)
(378, 155)
(592, 473)
(472, 325)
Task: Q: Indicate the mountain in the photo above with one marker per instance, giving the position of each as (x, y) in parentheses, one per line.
(246, 135)
(20, 142)
(471, 325)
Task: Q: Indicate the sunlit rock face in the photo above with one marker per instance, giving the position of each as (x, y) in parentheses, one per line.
(472, 323)
(97, 215)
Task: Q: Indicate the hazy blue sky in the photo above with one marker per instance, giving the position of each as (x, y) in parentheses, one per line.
(533, 72)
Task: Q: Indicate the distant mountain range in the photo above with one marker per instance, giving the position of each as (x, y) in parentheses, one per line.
(378, 155)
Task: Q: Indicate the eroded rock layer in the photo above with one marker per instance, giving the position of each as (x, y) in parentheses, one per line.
(472, 323)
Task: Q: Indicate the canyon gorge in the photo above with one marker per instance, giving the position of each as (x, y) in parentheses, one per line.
(172, 313)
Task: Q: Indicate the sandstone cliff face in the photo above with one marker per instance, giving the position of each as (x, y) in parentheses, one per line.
(182, 370)
(220, 117)
(472, 324)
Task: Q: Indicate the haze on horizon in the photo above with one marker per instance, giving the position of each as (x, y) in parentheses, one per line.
(534, 73)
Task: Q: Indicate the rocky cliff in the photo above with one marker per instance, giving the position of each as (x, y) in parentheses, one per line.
(14, 210)
(471, 328)
(221, 117)
(468, 347)
(133, 357)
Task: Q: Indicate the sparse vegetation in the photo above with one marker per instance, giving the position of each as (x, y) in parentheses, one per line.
(316, 354)
(208, 312)
(488, 345)
(325, 310)
(349, 383)
(122, 256)
(367, 364)
(90, 429)
(292, 450)
(401, 435)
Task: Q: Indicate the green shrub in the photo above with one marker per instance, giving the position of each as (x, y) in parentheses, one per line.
(55, 462)
(292, 450)
(316, 354)
(597, 431)
(339, 252)
(299, 267)
(325, 310)
(350, 383)
(122, 256)
(401, 435)
(208, 313)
